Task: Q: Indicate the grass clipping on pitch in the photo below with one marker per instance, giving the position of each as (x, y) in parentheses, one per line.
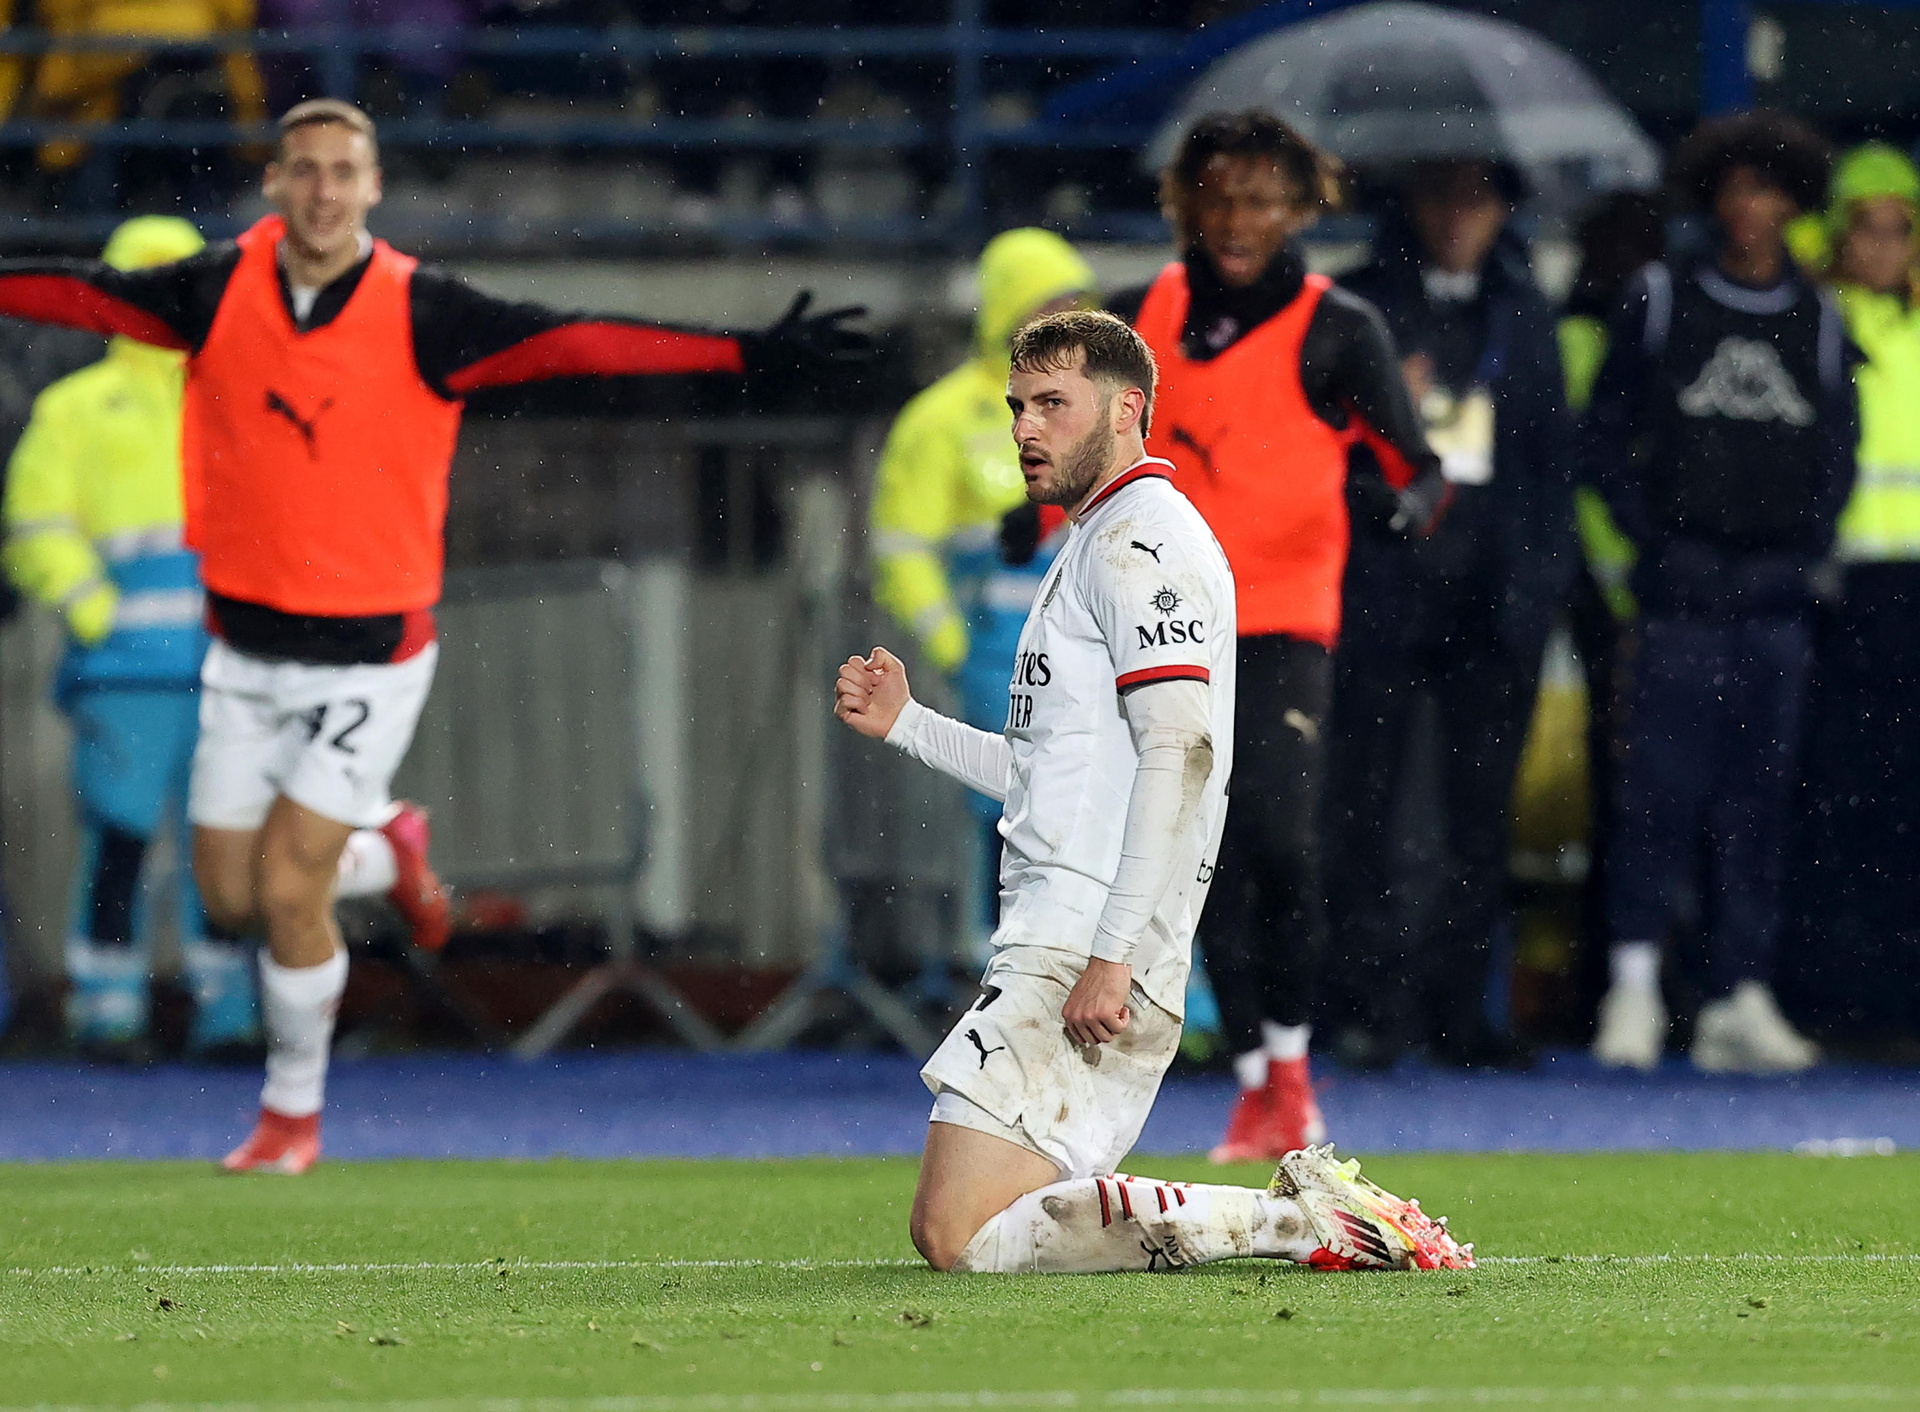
(710, 1286)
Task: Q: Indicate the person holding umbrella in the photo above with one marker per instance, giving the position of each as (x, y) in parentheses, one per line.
(1722, 432)
(1461, 617)
(1268, 375)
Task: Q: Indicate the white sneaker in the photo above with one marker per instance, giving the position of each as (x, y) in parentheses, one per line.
(1633, 1028)
(1746, 1034)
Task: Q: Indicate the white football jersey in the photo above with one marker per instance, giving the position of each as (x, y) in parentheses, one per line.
(1140, 593)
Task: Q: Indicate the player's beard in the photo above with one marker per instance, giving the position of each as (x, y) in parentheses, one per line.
(1085, 462)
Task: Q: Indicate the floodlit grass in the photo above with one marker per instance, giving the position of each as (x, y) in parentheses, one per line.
(1703, 1278)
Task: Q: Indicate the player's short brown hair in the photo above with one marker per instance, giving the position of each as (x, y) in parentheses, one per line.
(316, 111)
(1318, 175)
(1115, 355)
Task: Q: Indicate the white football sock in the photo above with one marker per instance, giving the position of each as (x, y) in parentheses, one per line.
(1251, 1069)
(298, 1004)
(1285, 1043)
(1635, 965)
(1094, 1225)
(367, 865)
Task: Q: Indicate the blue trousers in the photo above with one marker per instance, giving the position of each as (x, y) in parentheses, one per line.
(1708, 755)
(132, 753)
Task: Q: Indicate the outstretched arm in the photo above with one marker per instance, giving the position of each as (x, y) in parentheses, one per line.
(169, 306)
(872, 696)
(466, 341)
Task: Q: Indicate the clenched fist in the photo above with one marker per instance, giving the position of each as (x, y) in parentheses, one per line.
(872, 692)
(1096, 1010)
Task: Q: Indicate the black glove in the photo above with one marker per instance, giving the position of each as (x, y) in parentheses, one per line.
(1020, 535)
(796, 343)
(1418, 510)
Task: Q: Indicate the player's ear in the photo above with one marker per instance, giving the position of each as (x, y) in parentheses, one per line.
(1128, 407)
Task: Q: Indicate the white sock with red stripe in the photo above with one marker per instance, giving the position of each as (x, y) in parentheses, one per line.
(298, 1004)
(1093, 1225)
(367, 865)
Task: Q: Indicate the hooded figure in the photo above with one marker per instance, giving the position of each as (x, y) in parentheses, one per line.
(949, 475)
(94, 512)
(1869, 222)
(1853, 863)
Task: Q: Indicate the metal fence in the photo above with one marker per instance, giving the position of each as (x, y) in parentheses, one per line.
(642, 746)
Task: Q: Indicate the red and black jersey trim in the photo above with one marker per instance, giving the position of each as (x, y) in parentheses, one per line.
(464, 340)
(49, 296)
(1149, 469)
(600, 348)
(1177, 671)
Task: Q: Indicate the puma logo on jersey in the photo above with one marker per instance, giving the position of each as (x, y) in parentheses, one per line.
(304, 425)
(1180, 436)
(1745, 380)
(1154, 550)
(981, 1045)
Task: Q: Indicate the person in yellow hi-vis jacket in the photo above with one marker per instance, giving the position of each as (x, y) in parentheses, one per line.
(949, 476)
(1857, 863)
(94, 511)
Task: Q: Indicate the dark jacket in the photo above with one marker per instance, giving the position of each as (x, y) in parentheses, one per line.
(1506, 549)
(1722, 433)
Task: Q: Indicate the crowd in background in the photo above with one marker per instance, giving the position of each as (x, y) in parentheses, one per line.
(1703, 466)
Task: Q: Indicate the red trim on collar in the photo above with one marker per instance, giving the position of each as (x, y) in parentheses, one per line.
(1151, 467)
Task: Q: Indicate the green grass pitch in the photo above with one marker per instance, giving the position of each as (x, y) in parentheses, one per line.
(713, 1286)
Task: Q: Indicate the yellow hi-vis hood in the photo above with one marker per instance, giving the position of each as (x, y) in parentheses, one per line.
(1019, 271)
(151, 240)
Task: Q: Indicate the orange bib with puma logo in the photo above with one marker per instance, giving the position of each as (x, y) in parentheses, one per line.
(316, 463)
(1248, 450)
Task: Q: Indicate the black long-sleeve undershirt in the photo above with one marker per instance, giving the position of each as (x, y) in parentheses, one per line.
(464, 340)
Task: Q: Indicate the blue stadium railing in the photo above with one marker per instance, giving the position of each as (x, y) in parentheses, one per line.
(964, 134)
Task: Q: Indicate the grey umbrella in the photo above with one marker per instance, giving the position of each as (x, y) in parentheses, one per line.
(1392, 83)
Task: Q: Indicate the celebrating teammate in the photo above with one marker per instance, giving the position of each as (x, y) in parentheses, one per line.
(325, 378)
(1113, 768)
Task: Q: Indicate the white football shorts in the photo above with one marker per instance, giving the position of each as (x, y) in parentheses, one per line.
(1007, 1067)
(329, 738)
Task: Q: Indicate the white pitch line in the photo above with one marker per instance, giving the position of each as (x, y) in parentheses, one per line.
(1117, 1398)
(384, 1267)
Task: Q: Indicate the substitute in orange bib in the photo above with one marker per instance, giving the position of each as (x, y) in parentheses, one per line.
(1268, 375)
(325, 379)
